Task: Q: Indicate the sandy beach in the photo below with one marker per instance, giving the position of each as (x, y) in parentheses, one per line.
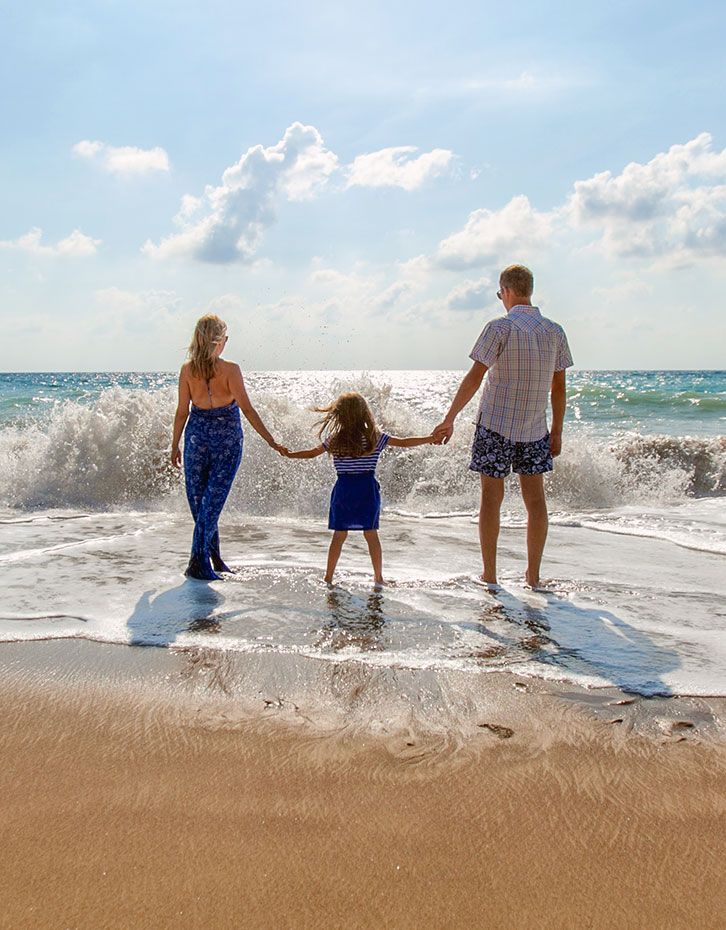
(126, 804)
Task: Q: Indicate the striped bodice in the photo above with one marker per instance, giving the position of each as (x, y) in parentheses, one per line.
(359, 464)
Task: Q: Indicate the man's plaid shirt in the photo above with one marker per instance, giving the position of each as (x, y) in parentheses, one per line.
(522, 351)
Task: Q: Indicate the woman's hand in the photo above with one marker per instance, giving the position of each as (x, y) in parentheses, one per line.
(283, 450)
(176, 458)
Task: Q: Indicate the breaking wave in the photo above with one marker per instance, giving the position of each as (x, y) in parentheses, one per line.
(114, 452)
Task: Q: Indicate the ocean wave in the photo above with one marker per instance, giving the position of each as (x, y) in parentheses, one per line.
(657, 400)
(114, 452)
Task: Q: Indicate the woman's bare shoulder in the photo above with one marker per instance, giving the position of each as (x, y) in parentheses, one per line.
(229, 368)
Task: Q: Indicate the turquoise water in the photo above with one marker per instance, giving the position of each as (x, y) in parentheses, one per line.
(95, 530)
(673, 403)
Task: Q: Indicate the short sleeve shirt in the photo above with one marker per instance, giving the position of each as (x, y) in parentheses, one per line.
(361, 464)
(522, 351)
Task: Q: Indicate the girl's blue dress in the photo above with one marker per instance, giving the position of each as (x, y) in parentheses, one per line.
(355, 503)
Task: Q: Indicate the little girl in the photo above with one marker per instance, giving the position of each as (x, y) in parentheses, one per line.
(355, 442)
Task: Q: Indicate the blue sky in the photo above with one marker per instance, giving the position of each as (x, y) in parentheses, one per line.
(343, 182)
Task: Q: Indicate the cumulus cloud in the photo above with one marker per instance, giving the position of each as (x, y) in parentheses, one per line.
(125, 160)
(672, 207)
(496, 234)
(675, 204)
(226, 224)
(137, 311)
(396, 167)
(363, 292)
(471, 295)
(76, 245)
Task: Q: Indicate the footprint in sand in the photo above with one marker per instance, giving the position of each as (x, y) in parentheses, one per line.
(501, 732)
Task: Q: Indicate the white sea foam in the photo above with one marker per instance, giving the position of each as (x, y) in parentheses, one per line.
(115, 452)
(96, 532)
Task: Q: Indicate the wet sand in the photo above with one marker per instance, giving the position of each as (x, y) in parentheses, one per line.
(122, 807)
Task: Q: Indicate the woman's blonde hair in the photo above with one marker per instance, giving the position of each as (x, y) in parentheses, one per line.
(349, 426)
(208, 333)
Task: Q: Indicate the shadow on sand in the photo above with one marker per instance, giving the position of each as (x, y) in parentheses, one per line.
(191, 607)
(589, 641)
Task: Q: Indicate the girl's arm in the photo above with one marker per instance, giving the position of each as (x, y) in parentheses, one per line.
(239, 392)
(306, 453)
(407, 441)
(180, 418)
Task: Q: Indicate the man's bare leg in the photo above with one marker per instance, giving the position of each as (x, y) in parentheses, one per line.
(376, 554)
(492, 495)
(533, 495)
(336, 544)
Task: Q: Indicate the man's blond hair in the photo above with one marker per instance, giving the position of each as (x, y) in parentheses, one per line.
(519, 279)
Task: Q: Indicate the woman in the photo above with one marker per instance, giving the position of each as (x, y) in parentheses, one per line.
(213, 438)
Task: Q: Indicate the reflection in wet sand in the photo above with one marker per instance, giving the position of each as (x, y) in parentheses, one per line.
(355, 621)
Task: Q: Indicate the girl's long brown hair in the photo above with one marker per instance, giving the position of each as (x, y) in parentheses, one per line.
(208, 333)
(348, 426)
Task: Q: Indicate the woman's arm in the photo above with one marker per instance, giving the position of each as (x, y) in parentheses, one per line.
(407, 441)
(306, 453)
(180, 418)
(239, 392)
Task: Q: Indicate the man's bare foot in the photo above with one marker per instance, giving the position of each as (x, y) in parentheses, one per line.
(379, 583)
(535, 584)
(328, 579)
(489, 584)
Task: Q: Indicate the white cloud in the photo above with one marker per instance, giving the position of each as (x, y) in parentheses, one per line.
(359, 292)
(669, 206)
(226, 224)
(123, 160)
(526, 84)
(471, 295)
(396, 167)
(489, 235)
(76, 245)
(672, 208)
(137, 311)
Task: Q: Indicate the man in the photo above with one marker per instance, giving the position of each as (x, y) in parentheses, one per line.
(524, 356)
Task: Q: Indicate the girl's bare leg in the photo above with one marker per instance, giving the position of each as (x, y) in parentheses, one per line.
(336, 544)
(376, 554)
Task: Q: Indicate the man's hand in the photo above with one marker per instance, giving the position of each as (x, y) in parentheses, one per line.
(555, 443)
(443, 432)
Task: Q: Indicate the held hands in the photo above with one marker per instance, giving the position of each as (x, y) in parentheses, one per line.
(442, 433)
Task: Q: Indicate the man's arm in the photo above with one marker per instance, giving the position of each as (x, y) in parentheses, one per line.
(467, 389)
(558, 396)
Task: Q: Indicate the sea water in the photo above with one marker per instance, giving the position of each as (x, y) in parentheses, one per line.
(95, 531)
